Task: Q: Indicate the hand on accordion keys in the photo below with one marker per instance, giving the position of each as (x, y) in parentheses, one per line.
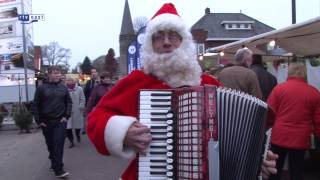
(138, 137)
(269, 165)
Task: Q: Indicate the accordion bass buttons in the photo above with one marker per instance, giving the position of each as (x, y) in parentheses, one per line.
(170, 122)
(169, 160)
(169, 148)
(169, 167)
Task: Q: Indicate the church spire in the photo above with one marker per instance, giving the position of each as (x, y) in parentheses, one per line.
(126, 37)
(127, 26)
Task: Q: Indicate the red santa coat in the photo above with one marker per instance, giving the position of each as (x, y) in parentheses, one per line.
(297, 108)
(117, 110)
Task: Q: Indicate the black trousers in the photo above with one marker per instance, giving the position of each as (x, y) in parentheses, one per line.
(296, 162)
(70, 134)
(54, 135)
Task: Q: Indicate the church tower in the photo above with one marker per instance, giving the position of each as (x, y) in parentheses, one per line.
(127, 35)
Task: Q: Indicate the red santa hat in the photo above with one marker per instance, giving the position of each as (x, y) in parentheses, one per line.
(166, 8)
(166, 18)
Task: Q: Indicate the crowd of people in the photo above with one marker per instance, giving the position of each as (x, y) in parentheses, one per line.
(295, 104)
(60, 107)
(108, 113)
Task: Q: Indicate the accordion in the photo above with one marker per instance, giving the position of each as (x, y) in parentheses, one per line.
(202, 132)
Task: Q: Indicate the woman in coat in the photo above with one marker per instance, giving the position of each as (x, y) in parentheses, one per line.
(75, 122)
(99, 91)
(297, 113)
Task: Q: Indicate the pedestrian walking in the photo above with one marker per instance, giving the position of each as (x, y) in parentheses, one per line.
(266, 80)
(88, 88)
(75, 122)
(99, 91)
(52, 108)
(297, 114)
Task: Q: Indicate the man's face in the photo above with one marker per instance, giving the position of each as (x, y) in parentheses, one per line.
(54, 76)
(165, 41)
(94, 74)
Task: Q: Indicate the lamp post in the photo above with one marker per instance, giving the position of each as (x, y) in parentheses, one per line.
(19, 88)
(24, 55)
(293, 2)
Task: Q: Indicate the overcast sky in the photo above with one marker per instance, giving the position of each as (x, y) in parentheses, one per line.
(90, 28)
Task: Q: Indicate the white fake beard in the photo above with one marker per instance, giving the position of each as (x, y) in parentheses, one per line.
(178, 68)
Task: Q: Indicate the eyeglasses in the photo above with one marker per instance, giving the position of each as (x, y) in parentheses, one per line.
(172, 36)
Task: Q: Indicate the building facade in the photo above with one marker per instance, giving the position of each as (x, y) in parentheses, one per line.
(216, 29)
(16, 52)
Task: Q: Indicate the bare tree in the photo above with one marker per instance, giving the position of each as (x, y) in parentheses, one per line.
(54, 54)
(76, 69)
(139, 22)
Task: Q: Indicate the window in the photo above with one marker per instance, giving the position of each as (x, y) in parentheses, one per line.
(234, 26)
(237, 25)
(7, 67)
(228, 26)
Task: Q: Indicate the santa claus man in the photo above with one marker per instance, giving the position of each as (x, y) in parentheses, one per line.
(169, 61)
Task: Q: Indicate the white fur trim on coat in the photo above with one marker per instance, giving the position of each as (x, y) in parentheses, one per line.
(114, 133)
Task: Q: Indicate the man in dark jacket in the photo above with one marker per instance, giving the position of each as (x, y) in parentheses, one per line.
(266, 80)
(52, 107)
(87, 92)
(90, 84)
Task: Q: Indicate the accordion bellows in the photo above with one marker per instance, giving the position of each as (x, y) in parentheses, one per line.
(203, 132)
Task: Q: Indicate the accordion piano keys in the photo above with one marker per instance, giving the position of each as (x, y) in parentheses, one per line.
(157, 163)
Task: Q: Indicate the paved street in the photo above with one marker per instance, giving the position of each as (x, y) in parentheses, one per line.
(24, 156)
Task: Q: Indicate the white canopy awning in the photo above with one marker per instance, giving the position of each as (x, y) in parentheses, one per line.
(302, 39)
